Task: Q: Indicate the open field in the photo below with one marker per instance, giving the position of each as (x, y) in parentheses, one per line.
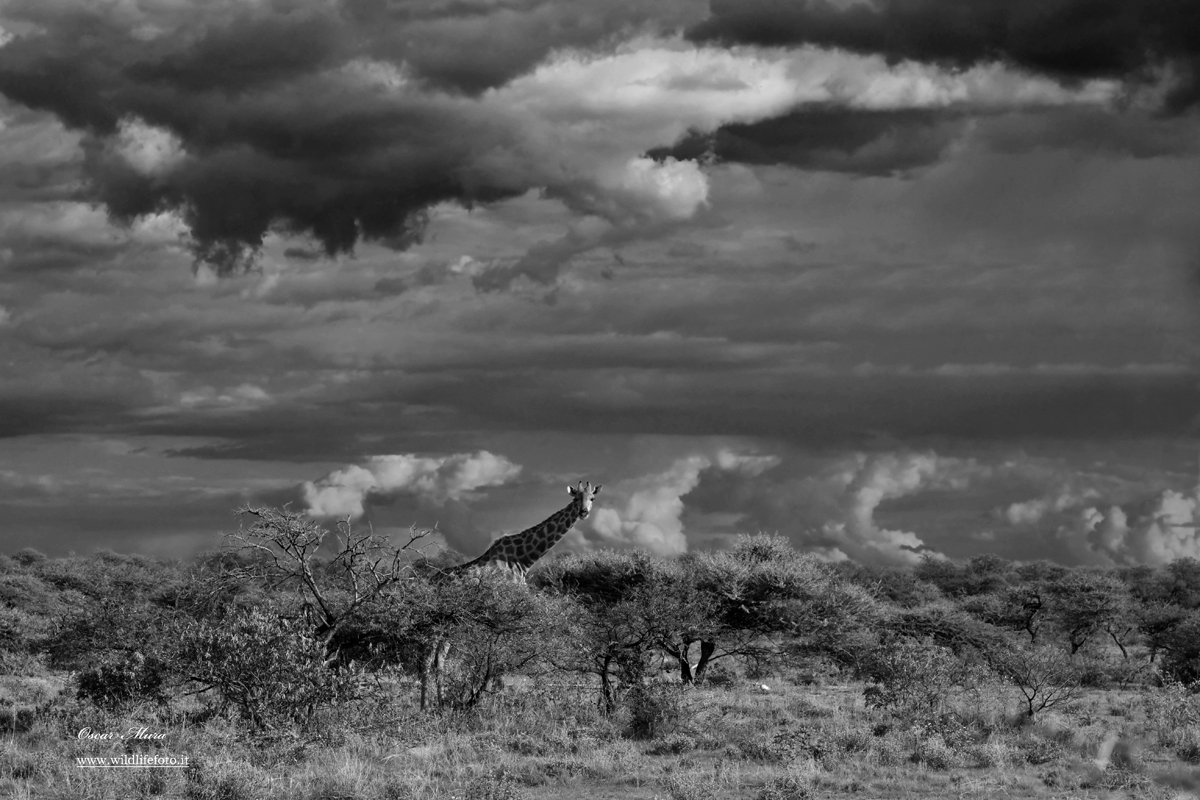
(734, 741)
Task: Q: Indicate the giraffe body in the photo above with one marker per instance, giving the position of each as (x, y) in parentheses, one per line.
(516, 553)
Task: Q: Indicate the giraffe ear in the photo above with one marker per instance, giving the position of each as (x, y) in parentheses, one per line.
(596, 491)
(571, 490)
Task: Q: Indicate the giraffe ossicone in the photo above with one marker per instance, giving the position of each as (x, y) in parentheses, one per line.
(516, 553)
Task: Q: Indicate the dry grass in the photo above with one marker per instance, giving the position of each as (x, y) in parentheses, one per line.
(735, 741)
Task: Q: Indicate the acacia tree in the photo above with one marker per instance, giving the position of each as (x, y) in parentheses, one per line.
(752, 603)
(472, 629)
(1085, 604)
(768, 598)
(633, 607)
(333, 591)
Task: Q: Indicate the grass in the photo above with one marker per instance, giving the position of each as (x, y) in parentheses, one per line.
(793, 742)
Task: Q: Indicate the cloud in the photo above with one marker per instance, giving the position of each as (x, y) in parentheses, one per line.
(1159, 532)
(829, 137)
(865, 485)
(148, 150)
(1029, 512)
(649, 509)
(349, 123)
(345, 492)
(338, 122)
(238, 398)
(1074, 39)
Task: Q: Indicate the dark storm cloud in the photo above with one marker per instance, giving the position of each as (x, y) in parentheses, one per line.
(39, 160)
(830, 138)
(833, 411)
(24, 413)
(1138, 135)
(473, 45)
(1071, 39)
(340, 121)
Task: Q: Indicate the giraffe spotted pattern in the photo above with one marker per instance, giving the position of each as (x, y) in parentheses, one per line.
(518, 552)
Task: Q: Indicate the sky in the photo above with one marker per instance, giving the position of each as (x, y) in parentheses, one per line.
(891, 278)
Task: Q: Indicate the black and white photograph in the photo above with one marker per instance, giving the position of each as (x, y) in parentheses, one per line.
(598, 399)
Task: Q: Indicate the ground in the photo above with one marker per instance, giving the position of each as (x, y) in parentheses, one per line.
(536, 739)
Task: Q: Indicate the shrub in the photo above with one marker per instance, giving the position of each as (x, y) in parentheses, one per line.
(673, 745)
(988, 754)
(1045, 675)
(150, 782)
(788, 745)
(653, 710)
(912, 677)
(232, 781)
(1036, 750)
(720, 675)
(786, 787)
(1188, 750)
(499, 785)
(270, 668)
(934, 752)
(1173, 714)
(23, 766)
(127, 679)
(854, 740)
(686, 787)
(887, 751)
(28, 557)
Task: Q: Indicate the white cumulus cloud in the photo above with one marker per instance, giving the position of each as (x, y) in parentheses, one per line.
(344, 492)
(1160, 532)
(1032, 511)
(150, 150)
(649, 509)
(868, 482)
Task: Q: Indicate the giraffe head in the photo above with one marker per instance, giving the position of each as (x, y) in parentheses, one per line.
(583, 495)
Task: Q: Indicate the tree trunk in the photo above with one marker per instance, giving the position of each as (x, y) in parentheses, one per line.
(706, 651)
(606, 687)
(685, 666)
(431, 673)
(1117, 640)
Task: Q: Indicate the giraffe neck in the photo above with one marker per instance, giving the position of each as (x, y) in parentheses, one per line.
(548, 533)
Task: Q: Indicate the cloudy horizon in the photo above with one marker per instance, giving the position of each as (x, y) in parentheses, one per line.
(887, 277)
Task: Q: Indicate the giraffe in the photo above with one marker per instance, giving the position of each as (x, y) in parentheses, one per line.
(517, 552)
(514, 554)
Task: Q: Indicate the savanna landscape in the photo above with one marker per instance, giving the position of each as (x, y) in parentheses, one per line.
(875, 320)
(295, 663)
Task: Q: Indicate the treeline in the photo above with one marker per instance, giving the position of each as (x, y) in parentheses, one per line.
(291, 619)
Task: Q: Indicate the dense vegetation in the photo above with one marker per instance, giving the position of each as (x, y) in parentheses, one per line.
(296, 640)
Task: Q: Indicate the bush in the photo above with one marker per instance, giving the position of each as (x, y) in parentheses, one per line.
(271, 669)
(720, 675)
(499, 785)
(686, 787)
(229, 781)
(934, 752)
(912, 677)
(127, 679)
(1046, 676)
(673, 745)
(788, 745)
(28, 557)
(786, 787)
(1036, 750)
(654, 710)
